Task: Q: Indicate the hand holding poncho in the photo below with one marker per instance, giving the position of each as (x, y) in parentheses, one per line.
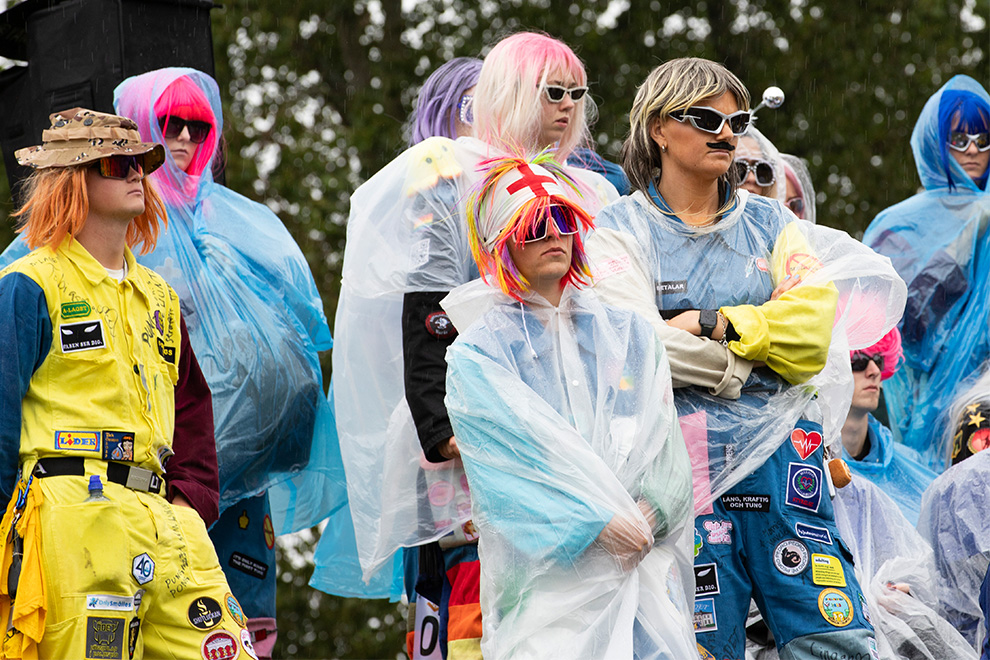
(565, 420)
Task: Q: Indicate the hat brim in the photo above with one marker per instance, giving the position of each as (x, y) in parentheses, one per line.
(66, 154)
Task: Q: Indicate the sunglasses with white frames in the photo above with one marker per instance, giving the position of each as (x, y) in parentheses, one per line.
(711, 120)
(556, 93)
(960, 141)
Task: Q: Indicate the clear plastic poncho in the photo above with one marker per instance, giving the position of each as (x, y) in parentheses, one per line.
(805, 188)
(754, 145)
(938, 243)
(255, 320)
(739, 261)
(405, 233)
(955, 520)
(889, 551)
(566, 424)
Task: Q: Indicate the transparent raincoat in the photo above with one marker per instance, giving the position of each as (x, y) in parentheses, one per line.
(737, 263)
(955, 520)
(805, 187)
(938, 243)
(756, 146)
(565, 420)
(888, 551)
(405, 234)
(896, 469)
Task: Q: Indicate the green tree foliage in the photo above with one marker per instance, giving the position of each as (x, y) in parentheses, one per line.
(316, 94)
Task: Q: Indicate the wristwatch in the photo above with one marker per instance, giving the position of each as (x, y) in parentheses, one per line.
(708, 318)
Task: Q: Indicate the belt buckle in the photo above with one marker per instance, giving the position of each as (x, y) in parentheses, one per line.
(140, 479)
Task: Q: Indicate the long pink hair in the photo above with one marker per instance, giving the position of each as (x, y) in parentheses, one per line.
(508, 101)
(184, 99)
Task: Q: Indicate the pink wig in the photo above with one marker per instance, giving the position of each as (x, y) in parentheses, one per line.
(495, 220)
(185, 100)
(508, 101)
(889, 347)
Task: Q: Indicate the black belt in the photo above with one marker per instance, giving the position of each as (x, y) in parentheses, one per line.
(129, 476)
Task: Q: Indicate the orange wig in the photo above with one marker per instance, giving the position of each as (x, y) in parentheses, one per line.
(58, 204)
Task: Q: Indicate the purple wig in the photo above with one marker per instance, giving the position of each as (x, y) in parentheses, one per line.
(435, 113)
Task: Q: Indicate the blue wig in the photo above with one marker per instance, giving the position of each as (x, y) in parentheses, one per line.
(974, 117)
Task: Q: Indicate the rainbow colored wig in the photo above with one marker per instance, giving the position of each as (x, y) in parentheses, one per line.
(508, 101)
(184, 99)
(514, 196)
(889, 347)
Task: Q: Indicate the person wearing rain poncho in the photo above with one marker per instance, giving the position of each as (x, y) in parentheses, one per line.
(406, 249)
(955, 510)
(564, 416)
(939, 243)
(799, 195)
(868, 446)
(256, 321)
(738, 273)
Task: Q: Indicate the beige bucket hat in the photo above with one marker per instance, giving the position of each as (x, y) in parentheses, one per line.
(79, 136)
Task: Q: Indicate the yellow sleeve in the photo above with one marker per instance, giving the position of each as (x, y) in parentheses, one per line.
(791, 334)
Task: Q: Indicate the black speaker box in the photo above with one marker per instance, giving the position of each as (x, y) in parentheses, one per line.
(76, 51)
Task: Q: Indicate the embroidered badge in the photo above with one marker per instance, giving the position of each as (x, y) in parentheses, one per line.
(118, 446)
(205, 613)
(865, 609)
(132, 636)
(167, 352)
(705, 580)
(234, 609)
(143, 568)
(246, 564)
(719, 531)
(752, 503)
(704, 615)
(243, 520)
(826, 571)
(813, 533)
(83, 336)
(874, 652)
(438, 324)
(835, 607)
(104, 638)
(138, 597)
(804, 486)
(805, 442)
(269, 531)
(247, 644)
(790, 557)
(705, 655)
(698, 543)
(111, 603)
(75, 310)
(77, 441)
(220, 645)
(673, 286)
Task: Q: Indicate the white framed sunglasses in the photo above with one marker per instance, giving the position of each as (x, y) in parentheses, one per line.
(556, 92)
(960, 141)
(763, 170)
(465, 109)
(711, 120)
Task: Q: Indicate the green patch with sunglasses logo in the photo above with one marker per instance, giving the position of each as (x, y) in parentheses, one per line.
(75, 310)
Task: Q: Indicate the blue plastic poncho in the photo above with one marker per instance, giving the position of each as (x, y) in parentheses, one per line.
(255, 320)
(566, 423)
(405, 233)
(896, 469)
(937, 241)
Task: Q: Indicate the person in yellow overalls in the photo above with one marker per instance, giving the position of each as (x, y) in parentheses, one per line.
(107, 453)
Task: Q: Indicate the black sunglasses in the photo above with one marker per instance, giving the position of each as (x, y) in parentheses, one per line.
(861, 361)
(796, 205)
(172, 128)
(119, 167)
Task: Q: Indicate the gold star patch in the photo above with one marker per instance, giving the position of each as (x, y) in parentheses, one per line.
(977, 419)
